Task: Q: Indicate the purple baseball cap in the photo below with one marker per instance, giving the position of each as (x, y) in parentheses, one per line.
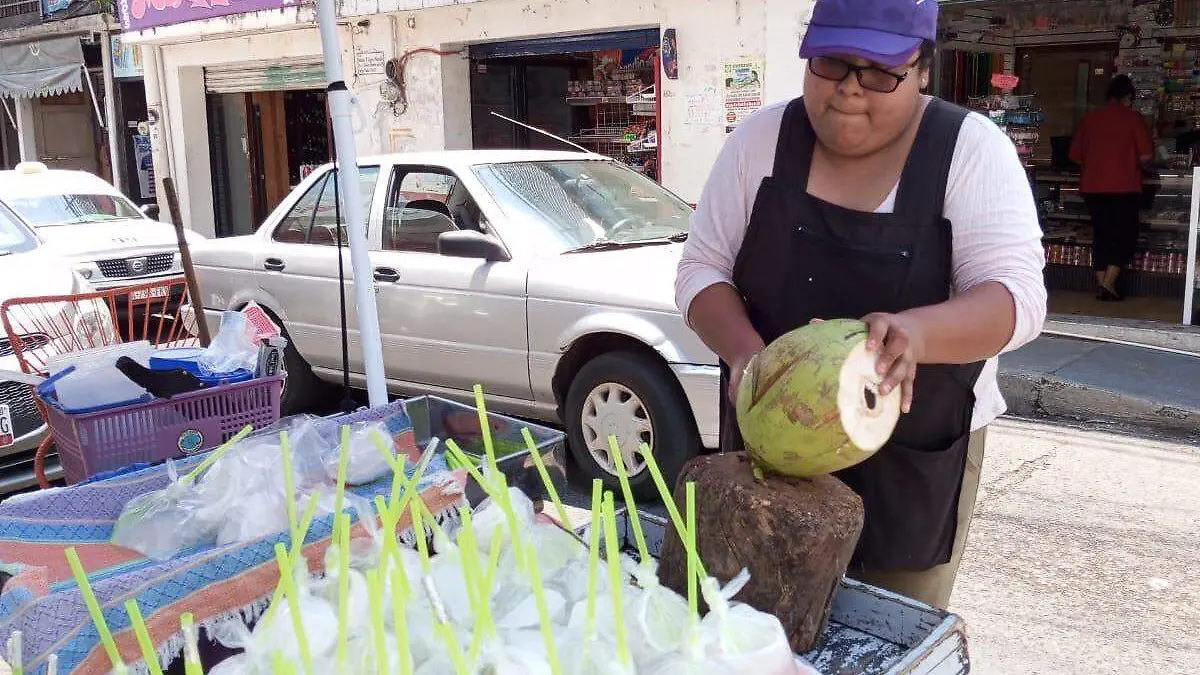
(887, 32)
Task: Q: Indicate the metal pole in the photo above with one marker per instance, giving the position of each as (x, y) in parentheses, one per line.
(115, 131)
(343, 136)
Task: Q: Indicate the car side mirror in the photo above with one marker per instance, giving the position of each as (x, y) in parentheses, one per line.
(471, 244)
(150, 211)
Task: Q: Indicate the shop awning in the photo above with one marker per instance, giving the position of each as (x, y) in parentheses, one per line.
(41, 68)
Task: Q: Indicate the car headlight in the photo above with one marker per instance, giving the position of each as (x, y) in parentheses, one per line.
(88, 270)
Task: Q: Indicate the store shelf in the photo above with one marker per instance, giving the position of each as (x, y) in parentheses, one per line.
(1149, 222)
(585, 101)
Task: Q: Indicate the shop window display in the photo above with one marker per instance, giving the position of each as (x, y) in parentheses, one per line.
(1036, 67)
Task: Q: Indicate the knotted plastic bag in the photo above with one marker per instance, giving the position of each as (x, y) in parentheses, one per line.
(743, 639)
(161, 524)
(661, 617)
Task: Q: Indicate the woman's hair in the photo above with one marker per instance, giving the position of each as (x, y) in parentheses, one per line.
(926, 55)
(1121, 87)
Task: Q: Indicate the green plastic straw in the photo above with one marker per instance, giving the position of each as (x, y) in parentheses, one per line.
(477, 590)
(389, 534)
(466, 550)
(293, 600)
(217, 454)
(343, 638)
(289, 485)
(310, 512)
(539, 596)
(505, 503)
(398, 503)
(296, 557)
(692, 557)
(668, 500)
(191, 646)
(143, 636)
(93, 607)
(593, 579)
(540, 463)
(378, 630)
(339, 498)
(630, 504)
(418, 521)
(280, 665)
(400, 594)
(485, 428)
(442, 626)
(493, 563)
(615, 577)
(460, 458)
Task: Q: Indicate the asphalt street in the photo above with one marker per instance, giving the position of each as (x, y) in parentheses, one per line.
(1084, 555)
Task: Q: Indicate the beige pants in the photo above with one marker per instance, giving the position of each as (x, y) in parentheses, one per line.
(934, 586)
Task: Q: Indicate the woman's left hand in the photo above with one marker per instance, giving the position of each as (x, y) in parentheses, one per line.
(900, 342)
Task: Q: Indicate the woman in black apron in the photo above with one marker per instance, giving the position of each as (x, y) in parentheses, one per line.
(821, 242)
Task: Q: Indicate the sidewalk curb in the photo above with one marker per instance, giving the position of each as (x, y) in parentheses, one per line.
(1043, 395)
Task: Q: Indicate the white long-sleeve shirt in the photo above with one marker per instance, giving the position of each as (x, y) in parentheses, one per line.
(988, 201)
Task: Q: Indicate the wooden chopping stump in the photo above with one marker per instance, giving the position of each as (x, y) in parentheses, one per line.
(795, 535)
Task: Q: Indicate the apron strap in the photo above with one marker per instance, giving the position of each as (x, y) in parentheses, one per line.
(793, 150)
(922, 193)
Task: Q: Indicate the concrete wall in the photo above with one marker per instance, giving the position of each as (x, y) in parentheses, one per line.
(438, 114)
(709, 32)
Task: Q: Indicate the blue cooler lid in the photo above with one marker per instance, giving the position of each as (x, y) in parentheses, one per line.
(176, 358)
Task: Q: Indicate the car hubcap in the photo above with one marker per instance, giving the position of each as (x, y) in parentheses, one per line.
(614, 410)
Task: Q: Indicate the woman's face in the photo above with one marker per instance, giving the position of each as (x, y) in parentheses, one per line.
(855, 121)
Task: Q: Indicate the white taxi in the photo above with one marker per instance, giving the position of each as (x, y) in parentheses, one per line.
(109, 241)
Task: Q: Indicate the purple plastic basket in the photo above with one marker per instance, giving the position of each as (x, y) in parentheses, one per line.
(90, 443)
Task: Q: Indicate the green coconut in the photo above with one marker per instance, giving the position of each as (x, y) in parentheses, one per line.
(809, 403)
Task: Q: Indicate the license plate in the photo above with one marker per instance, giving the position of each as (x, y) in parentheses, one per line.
(6, 427)
(148, 293)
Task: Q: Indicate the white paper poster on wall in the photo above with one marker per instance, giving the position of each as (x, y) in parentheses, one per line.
(369, 61)
(743, 89)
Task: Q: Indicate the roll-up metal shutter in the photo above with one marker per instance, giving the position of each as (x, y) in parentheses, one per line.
(305, 73)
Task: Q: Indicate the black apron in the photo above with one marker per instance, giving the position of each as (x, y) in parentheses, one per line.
(804, 258)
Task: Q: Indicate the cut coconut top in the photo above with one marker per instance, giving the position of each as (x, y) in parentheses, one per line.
(867, 417)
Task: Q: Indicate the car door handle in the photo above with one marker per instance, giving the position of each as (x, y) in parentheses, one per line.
(386, 275)
(273, 265)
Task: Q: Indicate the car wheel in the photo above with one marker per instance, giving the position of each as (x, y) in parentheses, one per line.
(635, 398)
(303, 391)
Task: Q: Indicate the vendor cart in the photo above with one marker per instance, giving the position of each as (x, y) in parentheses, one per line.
(871, 631)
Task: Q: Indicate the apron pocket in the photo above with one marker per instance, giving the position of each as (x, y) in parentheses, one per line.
(911, 502)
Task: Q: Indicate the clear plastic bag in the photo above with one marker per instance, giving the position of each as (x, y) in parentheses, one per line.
(365, 463)
(745, 640)
(162, 523)
(233, 348)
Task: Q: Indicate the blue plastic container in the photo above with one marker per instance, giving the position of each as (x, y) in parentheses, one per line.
(188, 358)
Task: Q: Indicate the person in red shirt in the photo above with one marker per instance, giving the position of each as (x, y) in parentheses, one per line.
(1111, 144)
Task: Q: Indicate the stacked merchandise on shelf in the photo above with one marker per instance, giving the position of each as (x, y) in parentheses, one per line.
(1017, 116)
(623, 110)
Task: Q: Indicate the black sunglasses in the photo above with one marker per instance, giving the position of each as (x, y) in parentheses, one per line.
(870, 77)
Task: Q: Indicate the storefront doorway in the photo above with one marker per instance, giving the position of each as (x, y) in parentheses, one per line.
(1061, 55)
(598, 91)
(269, 128)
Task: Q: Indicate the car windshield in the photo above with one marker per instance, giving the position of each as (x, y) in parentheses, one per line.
(577, 203)
(14, 237)
(44, 210)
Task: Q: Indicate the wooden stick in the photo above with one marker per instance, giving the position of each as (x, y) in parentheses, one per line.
(185, 256)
